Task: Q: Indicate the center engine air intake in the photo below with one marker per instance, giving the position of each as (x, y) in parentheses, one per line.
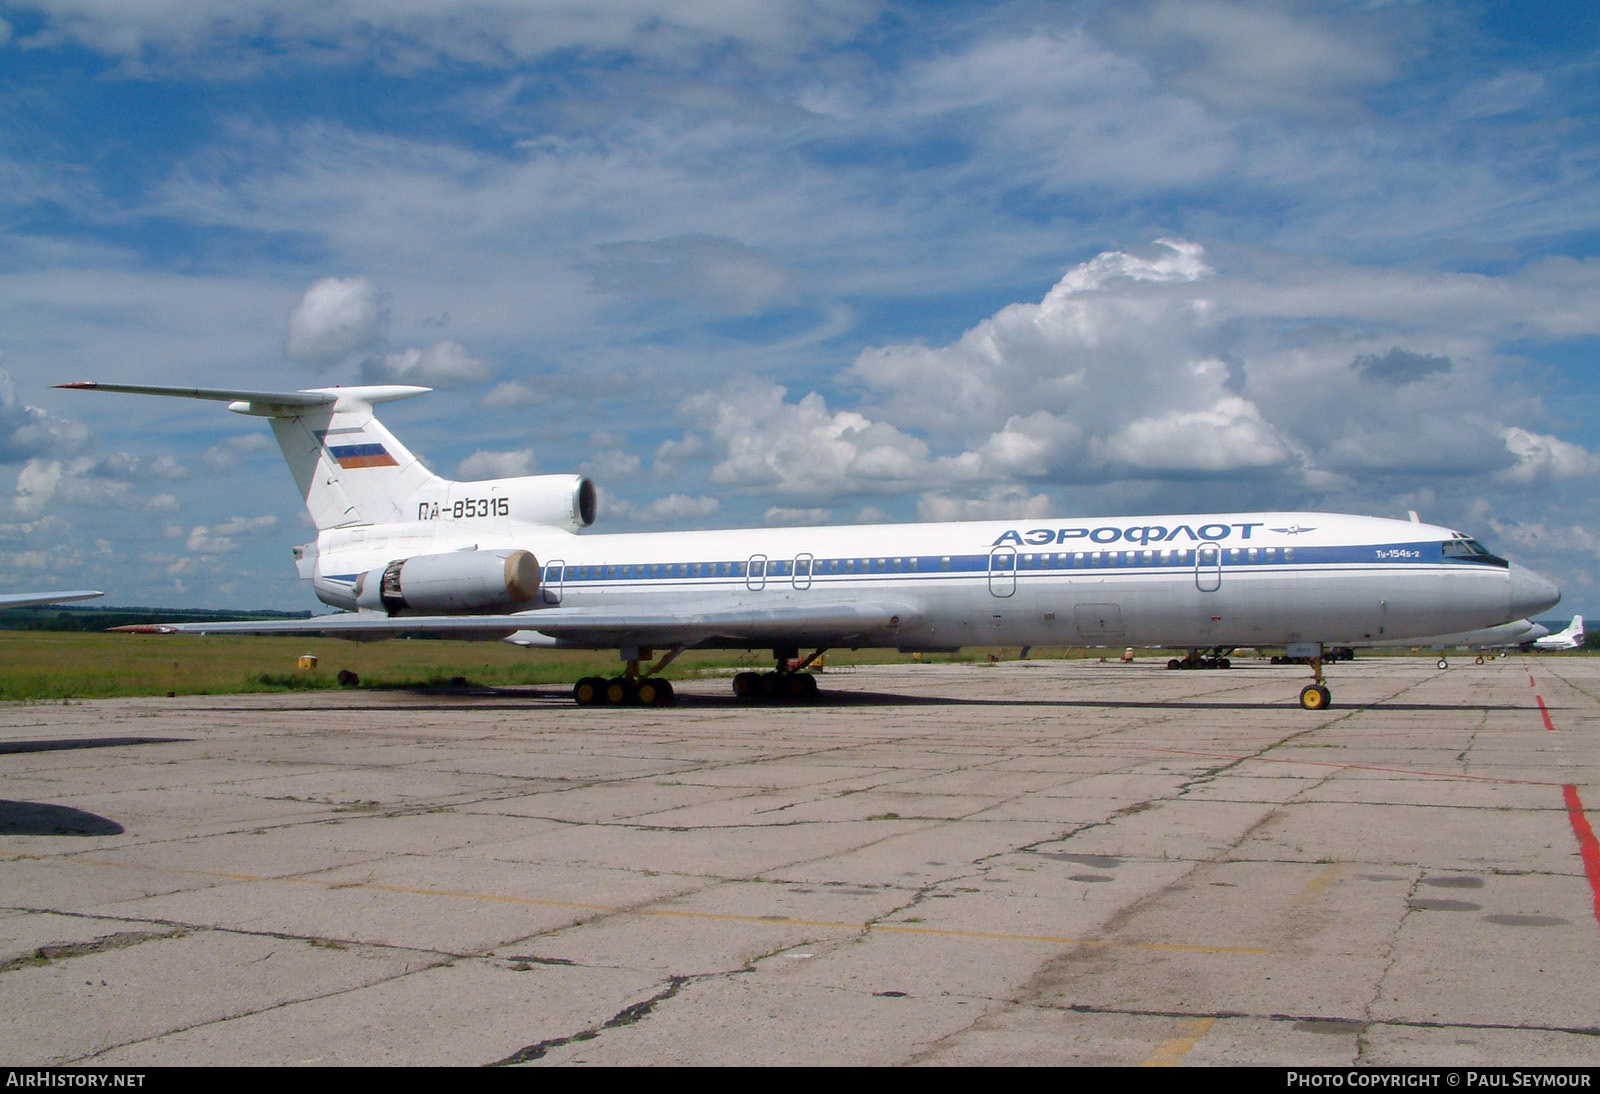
(460, 581)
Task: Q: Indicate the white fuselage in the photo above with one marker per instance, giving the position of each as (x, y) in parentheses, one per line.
(1186, 580)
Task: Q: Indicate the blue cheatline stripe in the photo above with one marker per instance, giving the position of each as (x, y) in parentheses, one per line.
(1023, 564)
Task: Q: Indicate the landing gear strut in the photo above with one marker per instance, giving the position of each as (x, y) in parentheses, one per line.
(787, 681)
(1315, 695)
(633, 688)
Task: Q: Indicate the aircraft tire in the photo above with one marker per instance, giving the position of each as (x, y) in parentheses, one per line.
(1315, 697)
(621, 692)
(746, 685)
(654, 693)
(1174, 663)
(1443, 663)
(589, 691)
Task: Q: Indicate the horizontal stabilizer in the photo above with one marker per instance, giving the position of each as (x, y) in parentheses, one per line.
(349, 468)
(265, 403)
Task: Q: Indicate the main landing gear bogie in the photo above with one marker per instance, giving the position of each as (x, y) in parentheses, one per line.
(622, 691)
(775, 685)
(634, 688)
(1197, 661)
(789, 682)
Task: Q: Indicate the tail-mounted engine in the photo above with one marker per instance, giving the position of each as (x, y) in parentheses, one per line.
(559, 501)
(460, 581)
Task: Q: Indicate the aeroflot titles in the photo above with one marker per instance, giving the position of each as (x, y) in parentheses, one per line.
(1138, 533)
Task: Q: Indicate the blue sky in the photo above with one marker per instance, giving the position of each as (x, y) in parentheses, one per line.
(809, 261)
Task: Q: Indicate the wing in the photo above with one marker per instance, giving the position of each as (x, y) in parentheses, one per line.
(820, 623)
(22, 600)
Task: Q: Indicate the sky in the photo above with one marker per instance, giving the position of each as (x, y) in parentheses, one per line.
(770, 262)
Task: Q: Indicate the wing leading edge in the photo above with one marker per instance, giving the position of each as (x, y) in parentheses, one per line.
(823, 623)
(23, 600)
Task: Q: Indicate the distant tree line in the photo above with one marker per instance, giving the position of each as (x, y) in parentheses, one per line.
(67, 617)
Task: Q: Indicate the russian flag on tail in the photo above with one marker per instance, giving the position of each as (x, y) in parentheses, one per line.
(362, 455)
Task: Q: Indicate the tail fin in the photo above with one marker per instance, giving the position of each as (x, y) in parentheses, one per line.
(350, 469)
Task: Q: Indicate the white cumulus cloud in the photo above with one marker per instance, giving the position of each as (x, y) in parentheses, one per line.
(497, 465)
(26, 432)
(443, 365)
(225, 537)
(1542, 456)
(672, 509)
(337, 316)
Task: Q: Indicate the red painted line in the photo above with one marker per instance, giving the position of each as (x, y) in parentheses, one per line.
(1531, 684)
(1545, 713)
(1587, 845)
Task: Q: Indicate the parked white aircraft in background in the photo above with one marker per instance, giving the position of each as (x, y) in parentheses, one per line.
(1519, 634)
(23, 600)
(1569, 639)
(405, 550)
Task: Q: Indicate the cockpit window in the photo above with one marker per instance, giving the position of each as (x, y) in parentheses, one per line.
(1472, 551)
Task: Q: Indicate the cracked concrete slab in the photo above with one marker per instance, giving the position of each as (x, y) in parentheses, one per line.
(1030, 862)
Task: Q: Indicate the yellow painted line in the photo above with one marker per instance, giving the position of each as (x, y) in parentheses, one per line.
(1320, 884)
(1171, 1051)
(671, 913)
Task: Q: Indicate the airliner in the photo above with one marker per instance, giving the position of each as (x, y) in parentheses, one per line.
(1570, 638)
(402, 550)
(1518, 634)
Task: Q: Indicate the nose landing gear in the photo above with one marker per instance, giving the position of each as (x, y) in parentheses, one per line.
(1315, 695)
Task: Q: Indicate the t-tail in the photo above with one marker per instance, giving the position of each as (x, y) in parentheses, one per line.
(1569, 639)
(353, 472)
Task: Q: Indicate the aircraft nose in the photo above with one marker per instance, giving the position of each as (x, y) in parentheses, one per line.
(1531, 593)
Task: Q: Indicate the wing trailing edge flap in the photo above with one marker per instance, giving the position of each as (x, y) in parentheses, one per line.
(602, 628)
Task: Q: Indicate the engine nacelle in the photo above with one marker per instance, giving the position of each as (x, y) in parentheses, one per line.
(460, 581)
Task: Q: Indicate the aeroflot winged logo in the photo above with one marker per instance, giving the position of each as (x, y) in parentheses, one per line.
(1136, 533)
(362, 455)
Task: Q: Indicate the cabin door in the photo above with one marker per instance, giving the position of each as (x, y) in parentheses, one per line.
(1003, 571)
(1208, 568)
(550, 584)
